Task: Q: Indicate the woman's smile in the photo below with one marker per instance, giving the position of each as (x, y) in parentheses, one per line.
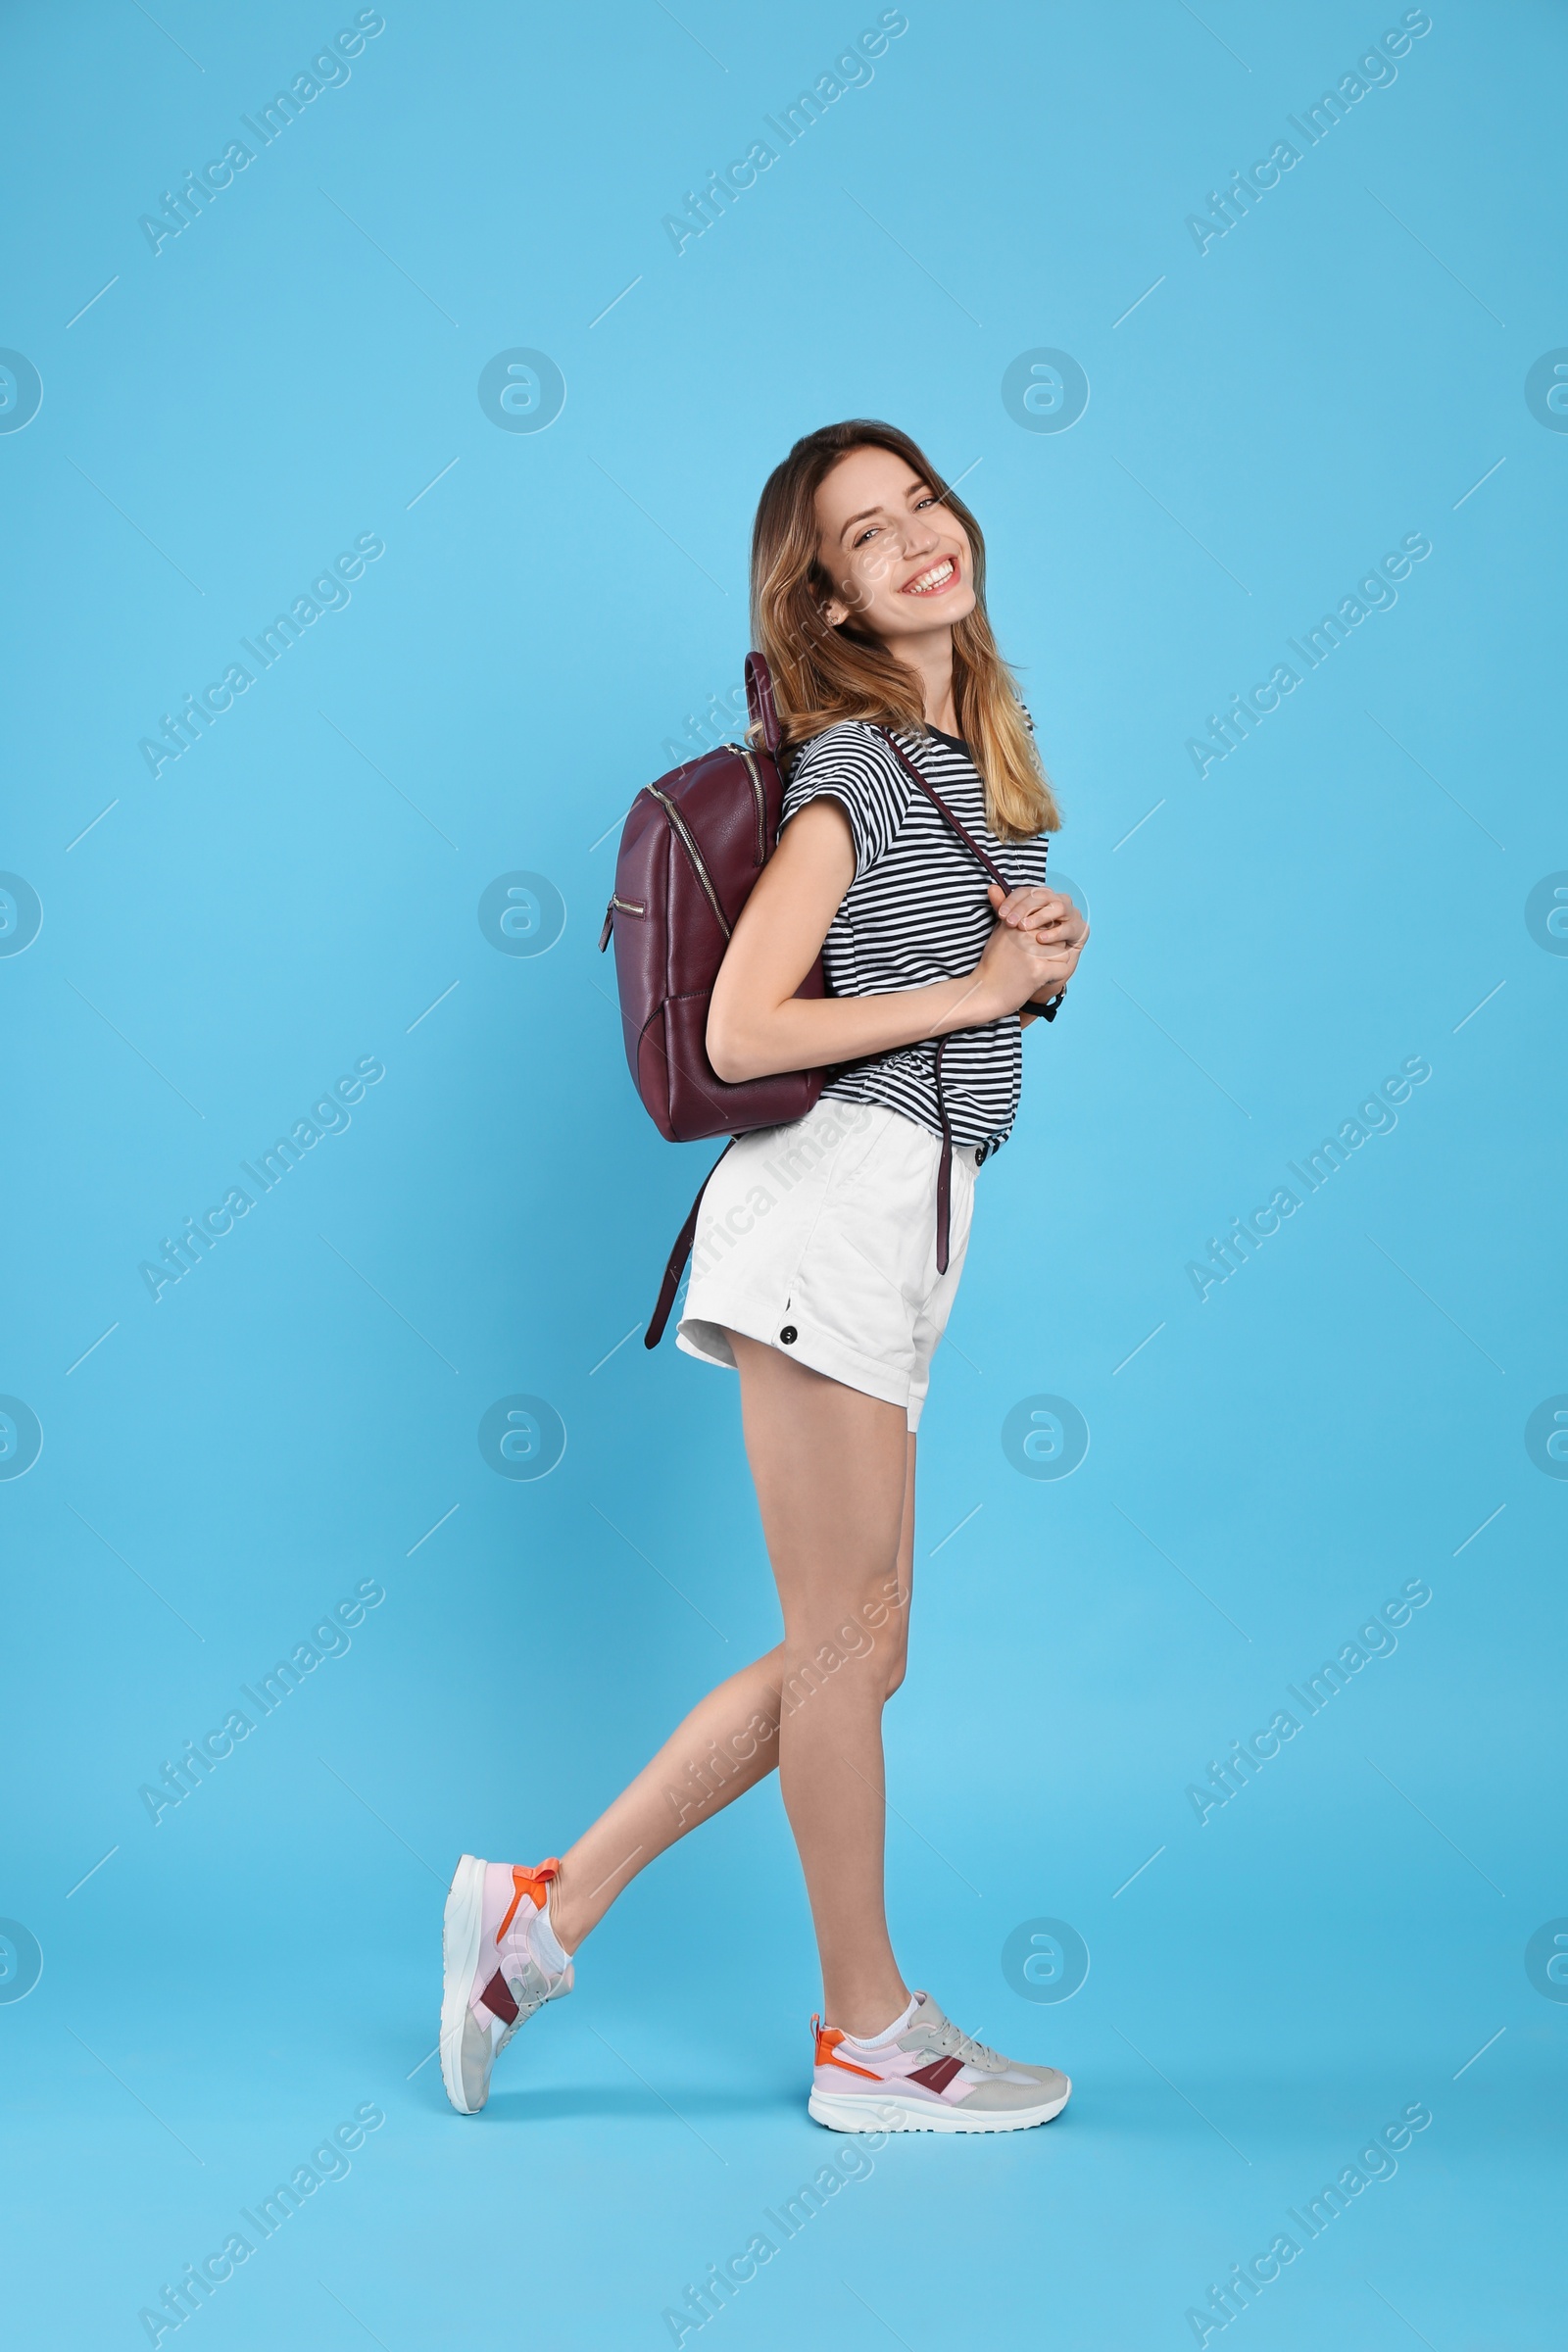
(934, 580)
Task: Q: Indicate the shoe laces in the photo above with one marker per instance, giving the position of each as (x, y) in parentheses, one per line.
(952, 2042)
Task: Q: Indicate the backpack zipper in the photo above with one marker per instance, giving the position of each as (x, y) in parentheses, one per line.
(625, 906)
(758, 797)
(693, 853)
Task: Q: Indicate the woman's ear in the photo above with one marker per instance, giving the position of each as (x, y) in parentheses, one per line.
(835, 614)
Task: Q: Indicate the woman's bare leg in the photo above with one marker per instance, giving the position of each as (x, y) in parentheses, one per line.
(807, 1439)
(831, 1467)
(726, 1745)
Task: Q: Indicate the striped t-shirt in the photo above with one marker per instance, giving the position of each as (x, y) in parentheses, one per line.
(916, 913)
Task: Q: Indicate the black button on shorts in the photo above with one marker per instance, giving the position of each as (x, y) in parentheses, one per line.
(789, 1334)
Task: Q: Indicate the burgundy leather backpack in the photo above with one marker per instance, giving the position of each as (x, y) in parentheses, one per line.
(690, 849)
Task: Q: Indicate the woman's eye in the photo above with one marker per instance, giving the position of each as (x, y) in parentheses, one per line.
(865, 535)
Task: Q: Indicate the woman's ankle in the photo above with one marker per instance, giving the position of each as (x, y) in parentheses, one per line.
(573, 1915)
(567, 1928)
(866, 2014)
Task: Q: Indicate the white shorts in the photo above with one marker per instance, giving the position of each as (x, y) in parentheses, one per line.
(821, 1238)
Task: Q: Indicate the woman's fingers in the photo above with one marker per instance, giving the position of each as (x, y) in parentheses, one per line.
(1054, 936)
(1038, 909)
(1065, 934)
(1021, 903)
(1035, 947)
(1029, 950)
(1053, 964)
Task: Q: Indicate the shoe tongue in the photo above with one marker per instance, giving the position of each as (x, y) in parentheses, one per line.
(927, 2021)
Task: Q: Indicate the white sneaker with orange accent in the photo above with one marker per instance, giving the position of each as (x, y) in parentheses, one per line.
(499, 1962)
(931, 2078)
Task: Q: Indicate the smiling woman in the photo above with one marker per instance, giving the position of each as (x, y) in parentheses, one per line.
(865, 647)
(913, 777)
(869, 603)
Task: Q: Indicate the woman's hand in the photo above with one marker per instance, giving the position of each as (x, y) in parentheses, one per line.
(1019, 966)
(1049, 913)
(1054, 929)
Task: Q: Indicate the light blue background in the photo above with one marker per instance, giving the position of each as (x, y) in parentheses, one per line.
(301, 890)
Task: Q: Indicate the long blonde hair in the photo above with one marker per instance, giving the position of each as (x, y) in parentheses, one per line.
(823, 675)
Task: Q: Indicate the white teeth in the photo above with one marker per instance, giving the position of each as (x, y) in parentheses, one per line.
(936, 577)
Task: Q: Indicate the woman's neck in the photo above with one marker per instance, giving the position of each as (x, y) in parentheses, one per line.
(930, 658)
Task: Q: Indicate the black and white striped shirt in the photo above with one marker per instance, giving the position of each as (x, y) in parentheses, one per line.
(916, 913)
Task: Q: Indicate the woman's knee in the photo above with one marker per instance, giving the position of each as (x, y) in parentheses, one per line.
(895, 1645)
(892, 1621)
(840, 1649)
(847, 1654)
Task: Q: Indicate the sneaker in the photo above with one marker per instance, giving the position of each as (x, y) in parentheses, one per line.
(499, 1962)
(930, 2079)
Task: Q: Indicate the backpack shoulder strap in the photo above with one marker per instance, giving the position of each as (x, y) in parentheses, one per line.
(945, 813)
(677, 1263)
(1048, 1012)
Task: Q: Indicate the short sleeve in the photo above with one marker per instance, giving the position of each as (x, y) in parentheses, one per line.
(847, 764)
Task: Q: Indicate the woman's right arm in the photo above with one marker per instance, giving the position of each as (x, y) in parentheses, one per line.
(757, 1025)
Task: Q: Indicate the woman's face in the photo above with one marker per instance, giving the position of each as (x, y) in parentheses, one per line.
(900, 562)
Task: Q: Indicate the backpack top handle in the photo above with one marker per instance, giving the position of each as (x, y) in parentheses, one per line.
(760, 704)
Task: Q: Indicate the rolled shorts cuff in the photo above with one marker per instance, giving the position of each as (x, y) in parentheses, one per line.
(703, 1335)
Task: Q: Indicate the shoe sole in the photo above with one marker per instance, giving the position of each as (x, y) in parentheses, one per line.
(856, 2112)
(460, 1962)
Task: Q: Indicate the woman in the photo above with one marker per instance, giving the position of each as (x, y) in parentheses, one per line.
(828, 1254)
